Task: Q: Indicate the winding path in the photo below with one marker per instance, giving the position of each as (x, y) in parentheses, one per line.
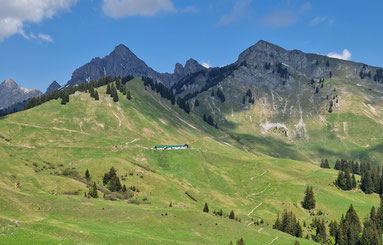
(276, 238)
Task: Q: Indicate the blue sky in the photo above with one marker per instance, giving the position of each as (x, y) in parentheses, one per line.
(47, 40)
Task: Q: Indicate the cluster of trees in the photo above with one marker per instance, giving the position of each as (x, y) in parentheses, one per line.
(111, 89)
(349, 229)
(93, 92)
(324, 163)
(309, 201)
(183, 105)
(159, 88)
(345, 181)
(167, 94)
(371, 177)
(378, 77)
(112, 181)
(288, 224)
(248, 95)
(65, 98)
(210, 121)
(282, 71)
(320, 230)
(239, 242)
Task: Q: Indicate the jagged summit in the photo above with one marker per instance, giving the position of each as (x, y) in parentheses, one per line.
(52, 87)
(9, 82)
(122, 62)
(12, 93)
(191, 66)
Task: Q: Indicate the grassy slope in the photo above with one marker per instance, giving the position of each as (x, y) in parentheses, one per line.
(98, 135)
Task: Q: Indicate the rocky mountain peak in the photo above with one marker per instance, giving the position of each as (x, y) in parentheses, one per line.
(52, 87)
(192, 66)
(9, 83)
(122, 51)
(12, 93)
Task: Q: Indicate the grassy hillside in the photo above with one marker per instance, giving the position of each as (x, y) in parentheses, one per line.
(43, 148)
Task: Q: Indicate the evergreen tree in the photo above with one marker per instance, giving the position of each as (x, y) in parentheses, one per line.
(124, 188)
(128, 96)
(87, 175)
(232, 215)
(187, 108)
(309, 199)
(108, 90)
(196, 103)
(93, 191)
(325, 164)
(206, 208)
(241, 242)
(96, 96)
(367, 185)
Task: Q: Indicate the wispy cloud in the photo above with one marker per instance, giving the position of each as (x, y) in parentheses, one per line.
(320, 20)
(279, 19)
(14, 14)
(345, 55)
(239, 11)
(123, 8)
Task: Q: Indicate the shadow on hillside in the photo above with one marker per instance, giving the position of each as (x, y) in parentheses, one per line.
(271, 147)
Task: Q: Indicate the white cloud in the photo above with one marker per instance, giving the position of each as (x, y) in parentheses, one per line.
(14, 13)
(206, 64)
(345, 55)
(279, 19)
(318, 20)
(123, 8)
(238, 11)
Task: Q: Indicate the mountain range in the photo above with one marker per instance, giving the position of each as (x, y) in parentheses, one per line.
(85, 168)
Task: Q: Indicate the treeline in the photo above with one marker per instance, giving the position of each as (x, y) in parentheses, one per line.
(371, 177)
(166, 94)
(64, 93)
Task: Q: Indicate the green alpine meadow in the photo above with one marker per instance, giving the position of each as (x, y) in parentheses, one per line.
(111, 134)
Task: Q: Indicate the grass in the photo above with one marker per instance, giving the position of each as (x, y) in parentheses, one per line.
(96, 135)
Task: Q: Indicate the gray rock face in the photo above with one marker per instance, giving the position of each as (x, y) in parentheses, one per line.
(11, 93)
(123, 62)
(52, 87)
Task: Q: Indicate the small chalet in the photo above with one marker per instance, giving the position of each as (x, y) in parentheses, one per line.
(172, 147)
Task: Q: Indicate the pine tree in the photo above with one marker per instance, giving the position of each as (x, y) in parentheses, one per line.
(93, 191)
(367, 185)
(96, 96)
(108, 90)
(124, 189)
(232, 215)
(128, 96)
(87, 175)
(206, 208)
(309, 199)
(277, 224)
(196, 103)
